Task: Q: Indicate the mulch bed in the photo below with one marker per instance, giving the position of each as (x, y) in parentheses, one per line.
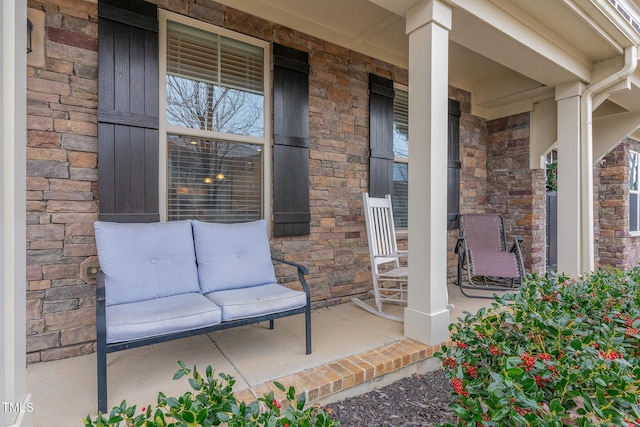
(415, 401)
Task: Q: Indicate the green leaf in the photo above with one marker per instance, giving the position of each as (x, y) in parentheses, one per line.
(188, 416)
(115, 420)
(302, 400)
(500, 413)
(172, 402)
(202, 415)
(514, 372)
(195, 384)
(513, 361)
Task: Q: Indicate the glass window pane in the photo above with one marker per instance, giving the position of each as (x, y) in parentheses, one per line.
(400, 195)
(199, 105)
(633, 212)
(633, 171)
(401, 124)
(213, 181)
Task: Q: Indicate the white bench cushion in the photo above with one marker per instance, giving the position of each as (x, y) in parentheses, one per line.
(160, 316)
(144, 261)
(232, 256)
(257, 301)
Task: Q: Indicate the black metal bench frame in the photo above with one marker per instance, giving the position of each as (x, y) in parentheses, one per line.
(101, 329)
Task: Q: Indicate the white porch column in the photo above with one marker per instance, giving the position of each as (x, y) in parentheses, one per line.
(14, 402)
(569, 190)
(426, 317)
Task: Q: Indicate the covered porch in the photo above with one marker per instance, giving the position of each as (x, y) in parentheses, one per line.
(568, 66)
(354, 352)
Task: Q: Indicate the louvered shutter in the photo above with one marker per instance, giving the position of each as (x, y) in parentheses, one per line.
(128, 111)
(291, 214)
(380, 136)
(454, 166)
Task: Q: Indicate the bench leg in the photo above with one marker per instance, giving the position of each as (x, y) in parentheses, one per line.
(102, 378)
(307, 321)
(271, 324)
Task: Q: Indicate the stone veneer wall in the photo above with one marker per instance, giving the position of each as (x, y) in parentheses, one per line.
(61, 178)
(514, 190)
(62, 167)
(615, 247)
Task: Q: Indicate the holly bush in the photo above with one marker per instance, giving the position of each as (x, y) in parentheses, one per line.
(560, 352)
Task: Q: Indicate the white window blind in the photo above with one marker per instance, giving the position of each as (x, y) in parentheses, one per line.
(400, 195)
(212, 58)
(214, 180)
(401, 124)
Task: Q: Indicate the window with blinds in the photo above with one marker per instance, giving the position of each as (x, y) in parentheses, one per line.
(214, 82)
(400, 195)
(214, 86)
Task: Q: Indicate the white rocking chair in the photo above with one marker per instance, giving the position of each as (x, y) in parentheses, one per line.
(389, 277)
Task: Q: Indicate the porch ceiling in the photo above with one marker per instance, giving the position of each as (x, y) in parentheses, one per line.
(503, 51)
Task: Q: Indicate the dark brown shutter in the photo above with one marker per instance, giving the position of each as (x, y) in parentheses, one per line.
(380, 136)
(128, 111)
(453, 171)
(291, 215)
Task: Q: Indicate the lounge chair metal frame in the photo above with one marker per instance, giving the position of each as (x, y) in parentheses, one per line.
(488, 250)
(390, 278)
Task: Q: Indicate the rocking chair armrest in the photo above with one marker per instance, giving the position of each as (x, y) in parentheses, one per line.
(517, 244)
(399, 254)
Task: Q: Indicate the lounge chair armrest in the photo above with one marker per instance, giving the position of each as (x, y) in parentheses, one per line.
(461, 244)
(302, 271)
(517, 244)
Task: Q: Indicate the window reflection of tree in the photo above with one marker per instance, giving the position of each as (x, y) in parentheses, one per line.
(205, 172)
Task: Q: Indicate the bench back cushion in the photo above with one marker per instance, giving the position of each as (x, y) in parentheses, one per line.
(145, 261)
(232, 256)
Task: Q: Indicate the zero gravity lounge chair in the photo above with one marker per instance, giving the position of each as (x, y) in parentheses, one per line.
(482, 254)
(389, 277)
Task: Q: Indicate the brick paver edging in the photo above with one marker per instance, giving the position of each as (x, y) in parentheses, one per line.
(333, 377)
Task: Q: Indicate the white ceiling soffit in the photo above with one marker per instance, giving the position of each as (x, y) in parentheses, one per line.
(356, 24)
(506, 52)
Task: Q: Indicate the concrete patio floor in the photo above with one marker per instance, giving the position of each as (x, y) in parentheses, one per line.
(353, 352)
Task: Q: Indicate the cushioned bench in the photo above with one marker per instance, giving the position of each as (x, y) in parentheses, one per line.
(164, 281)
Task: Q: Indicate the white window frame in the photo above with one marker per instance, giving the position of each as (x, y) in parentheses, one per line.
(634, 232)
(265, 141)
